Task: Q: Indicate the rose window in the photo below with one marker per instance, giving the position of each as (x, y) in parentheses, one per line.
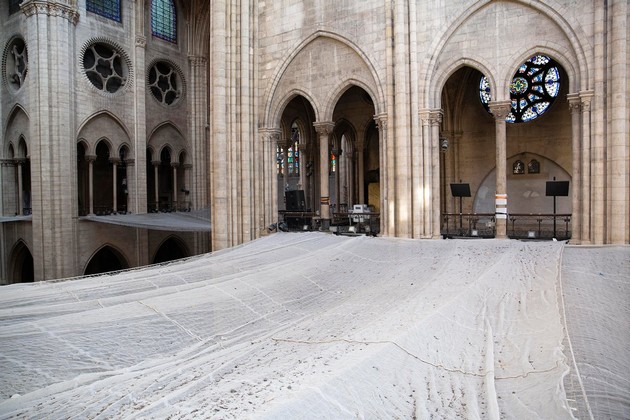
(534, 88)
(165, 83)
(105, 67)
(16, 63)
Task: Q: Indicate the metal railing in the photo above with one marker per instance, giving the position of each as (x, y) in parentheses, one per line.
(519, 225)
(468, 225)
(539, 226)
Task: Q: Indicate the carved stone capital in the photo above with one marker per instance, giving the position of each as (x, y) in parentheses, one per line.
(7, 162)
(324, 127)
(270, 135)
(115, 160)
(586, 96)
(175, 165)
(436, 116)
(575, 103)
(187, 166)
(197, 60)
(43, 7)
(141, 41)
(500, 109)
(130, 162)
(156, 162)
(381, 121)
(90, 158)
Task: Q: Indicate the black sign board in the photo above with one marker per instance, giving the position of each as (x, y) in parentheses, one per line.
(460, 190)
(557, 188)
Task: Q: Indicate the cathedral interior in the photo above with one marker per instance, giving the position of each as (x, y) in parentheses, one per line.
(139, 132)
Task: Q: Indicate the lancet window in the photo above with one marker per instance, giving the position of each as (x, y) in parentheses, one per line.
(164, 20)
(107, 8)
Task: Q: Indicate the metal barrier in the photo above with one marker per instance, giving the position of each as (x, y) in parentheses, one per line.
(480, 225)
(519, 226)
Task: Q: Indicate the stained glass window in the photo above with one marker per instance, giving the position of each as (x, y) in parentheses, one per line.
(293, 154)
(14, 6)
(164, 20)
(534, 87)
(333, 162)
(107, 8)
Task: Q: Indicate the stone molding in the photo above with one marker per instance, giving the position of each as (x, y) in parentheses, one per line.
(197, 60)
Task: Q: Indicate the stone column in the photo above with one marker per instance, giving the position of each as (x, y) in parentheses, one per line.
(90, 160)
(156, 185)
(422, 198)
(269, 138)
(381, 125)
(324, 130)
(575, 108)
(187, 175)
(619, 146)
(360, 153)
(130, 184)
(115, 162)
(436, 121)
(585, 205)
(50, 32)
(500, 110)
(20, 199)
(198, 122)
(138, 177)
(174, 165)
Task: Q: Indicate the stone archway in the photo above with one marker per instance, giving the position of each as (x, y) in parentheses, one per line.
(106, 259)
(171, 249)
(22, 270)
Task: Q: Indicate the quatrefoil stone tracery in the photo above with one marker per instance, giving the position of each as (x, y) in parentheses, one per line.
(164, 83)
(104, 66)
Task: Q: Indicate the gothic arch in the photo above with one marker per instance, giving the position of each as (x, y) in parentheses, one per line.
(21, 263)
(288, 97)
(343, 87)
(103, 125)
(17, 128)
(277, 93)
(549, 9)
(167, 133)
(171, 248)
(456, 64)
(106, 258)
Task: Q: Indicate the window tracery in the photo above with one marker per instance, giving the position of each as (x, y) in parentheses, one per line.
(165, 83)
(105, 67)
(164, 20)
(534, 87)
(16, 63)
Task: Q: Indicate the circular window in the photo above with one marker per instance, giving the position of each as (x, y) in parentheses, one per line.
(534, 87)
(105, 67)
(15, 63)
(165, 82)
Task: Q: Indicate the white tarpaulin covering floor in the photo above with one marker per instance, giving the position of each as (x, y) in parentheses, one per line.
(311, 325)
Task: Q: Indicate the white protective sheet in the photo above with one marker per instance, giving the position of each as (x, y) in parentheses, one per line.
(296, 325)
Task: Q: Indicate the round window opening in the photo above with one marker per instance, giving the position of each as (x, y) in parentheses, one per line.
(105, 67)
(15, 64)
(534, 88)
(165, 83)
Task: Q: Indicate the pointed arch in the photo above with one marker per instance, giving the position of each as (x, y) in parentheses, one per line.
(275, 94)
(550, 9)
(171, 248)
(105, 259)
(21, 269)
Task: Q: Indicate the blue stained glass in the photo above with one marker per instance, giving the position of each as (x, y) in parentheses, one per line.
(538, 88)
(540, 59)
(164, 20)
(538, 78)
(522, 104)
(107, 8)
